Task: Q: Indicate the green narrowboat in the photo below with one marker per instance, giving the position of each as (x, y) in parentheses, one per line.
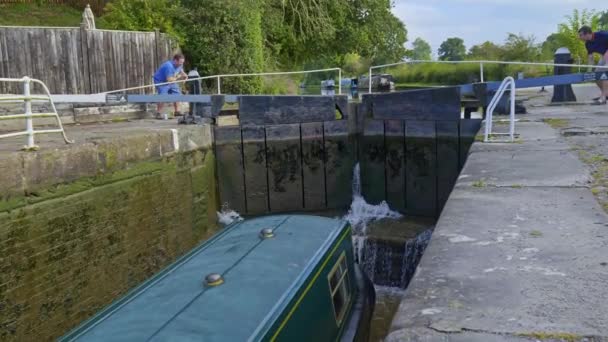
(273, 278)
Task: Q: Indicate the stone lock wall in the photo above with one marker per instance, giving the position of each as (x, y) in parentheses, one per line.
(86, 224)
(81, 226)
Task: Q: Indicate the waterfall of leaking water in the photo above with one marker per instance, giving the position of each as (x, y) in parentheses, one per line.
(393, 264)
(228, 216)
(362, 213)
(413, 253)
(386, 263)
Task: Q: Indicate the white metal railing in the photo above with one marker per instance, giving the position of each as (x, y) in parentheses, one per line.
(481, 66)
(27, 99)
(508, 82)
(219, 79)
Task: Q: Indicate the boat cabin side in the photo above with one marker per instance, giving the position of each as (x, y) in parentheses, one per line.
(322, 306)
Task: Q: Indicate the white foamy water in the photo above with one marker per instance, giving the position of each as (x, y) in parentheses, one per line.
(228, 216)
(376, 258)
(361, 213)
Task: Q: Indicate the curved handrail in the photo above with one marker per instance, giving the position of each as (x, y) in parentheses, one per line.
(29, 116)
(506, 83)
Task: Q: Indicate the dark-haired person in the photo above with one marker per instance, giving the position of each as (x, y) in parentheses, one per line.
(170, 71)
(597, 42)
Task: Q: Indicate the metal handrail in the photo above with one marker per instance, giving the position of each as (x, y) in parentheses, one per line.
(481, 65)
(219, 77)
(28, 115)
(507, 82)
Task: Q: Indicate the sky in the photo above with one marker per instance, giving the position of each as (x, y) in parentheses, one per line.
(477, 21)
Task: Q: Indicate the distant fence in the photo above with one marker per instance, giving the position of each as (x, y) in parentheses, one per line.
(80, 61)
(96, 5)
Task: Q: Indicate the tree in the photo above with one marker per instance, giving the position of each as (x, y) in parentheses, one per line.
(142, 15)
(603, 21)
(550, 46)
(485, 51)
(245, 36)
(520, 48)
(421, 50)
(371, 30)
(322, 32)
(452, 50)
(568, 32)
(388, 39)
(352, 64)
(299, 30)
(224, 37)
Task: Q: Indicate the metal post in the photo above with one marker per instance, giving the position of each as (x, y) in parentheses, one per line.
(339, 81)
(563, 93)
(370, 80)
(481, 72)
(512, 113)
(219, 91)
(29, 124)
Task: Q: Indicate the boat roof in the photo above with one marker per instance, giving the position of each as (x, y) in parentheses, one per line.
(261, 276)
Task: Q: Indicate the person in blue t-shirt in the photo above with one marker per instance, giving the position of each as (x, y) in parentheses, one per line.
(170, 71)
(597, 42)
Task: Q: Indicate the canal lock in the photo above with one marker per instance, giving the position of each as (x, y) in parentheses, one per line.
(387, 165)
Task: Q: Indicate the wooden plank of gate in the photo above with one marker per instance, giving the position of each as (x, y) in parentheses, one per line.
(447, 160)
(229, 152)
(372, 162)
(256, 181)
(423, 104)
(274, 110)
(284, 167)
(394, 131)
(339, 164)
(468, 131)
(420, 166)
(313, 166)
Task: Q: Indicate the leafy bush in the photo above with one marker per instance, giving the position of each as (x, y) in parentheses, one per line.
(142, 15)
(225, 37)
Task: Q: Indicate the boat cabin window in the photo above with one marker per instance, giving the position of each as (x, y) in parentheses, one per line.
(339, 288)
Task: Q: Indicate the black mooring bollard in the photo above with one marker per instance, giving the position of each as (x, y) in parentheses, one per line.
(563, 93)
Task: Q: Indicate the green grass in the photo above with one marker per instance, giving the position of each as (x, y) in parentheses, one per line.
(556, 123)
(453, 74)
(552, 336)
(43, 15)
(479, 184)
(416, 85)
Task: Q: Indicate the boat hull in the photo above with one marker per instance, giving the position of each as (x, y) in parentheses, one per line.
(358, 327)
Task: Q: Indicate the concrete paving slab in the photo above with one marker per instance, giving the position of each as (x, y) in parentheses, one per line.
(598, 123)
(524, 259)
(524, 263)
(429, 335)
(524, 168)
(531, 136)
(89, 133)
